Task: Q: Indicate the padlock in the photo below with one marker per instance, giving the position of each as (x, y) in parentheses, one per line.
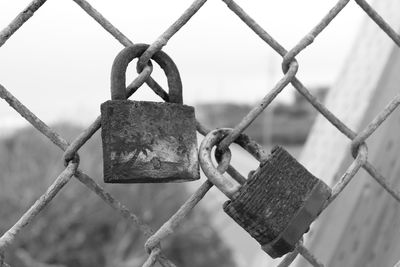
(277, 204)
(143, 141)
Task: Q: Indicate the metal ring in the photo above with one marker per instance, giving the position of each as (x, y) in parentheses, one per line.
(122, 60)
(228, 186)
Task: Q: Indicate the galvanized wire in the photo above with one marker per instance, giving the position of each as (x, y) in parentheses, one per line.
(289, 66)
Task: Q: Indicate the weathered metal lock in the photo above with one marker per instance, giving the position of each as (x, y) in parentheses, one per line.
(148, 142)
(277, 204)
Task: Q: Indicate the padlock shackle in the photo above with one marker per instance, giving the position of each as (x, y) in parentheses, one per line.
(120, 65)
(227, 186)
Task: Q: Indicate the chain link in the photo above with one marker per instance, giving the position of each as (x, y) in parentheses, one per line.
(359, 149)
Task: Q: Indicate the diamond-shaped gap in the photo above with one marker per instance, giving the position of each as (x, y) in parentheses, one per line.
(29, 165)
(376, 39)
(212, 66)
(365, 63)
(77, 220)
(321, 62)
(53, 70)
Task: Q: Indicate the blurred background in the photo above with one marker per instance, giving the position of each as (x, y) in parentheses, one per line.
(58, 64)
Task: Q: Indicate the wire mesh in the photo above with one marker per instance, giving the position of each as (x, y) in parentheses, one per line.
(289, 66)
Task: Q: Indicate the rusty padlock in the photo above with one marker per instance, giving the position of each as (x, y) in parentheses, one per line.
(277, 204)
(148, 142)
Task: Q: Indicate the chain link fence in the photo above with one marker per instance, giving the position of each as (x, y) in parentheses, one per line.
(289, 67)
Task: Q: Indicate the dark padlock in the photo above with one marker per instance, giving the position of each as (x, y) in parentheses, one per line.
(148, 142)
(277, 204)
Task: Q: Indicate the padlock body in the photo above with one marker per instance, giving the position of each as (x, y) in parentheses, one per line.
(148, 142)
(278, 203)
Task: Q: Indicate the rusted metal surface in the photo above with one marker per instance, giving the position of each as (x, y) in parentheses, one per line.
(148, 142)
(144, 142)
(278, 202)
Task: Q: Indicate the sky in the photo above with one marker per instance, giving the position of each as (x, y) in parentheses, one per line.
(58, 64)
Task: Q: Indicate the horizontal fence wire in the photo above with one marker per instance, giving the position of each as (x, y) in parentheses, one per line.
(358, 149)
